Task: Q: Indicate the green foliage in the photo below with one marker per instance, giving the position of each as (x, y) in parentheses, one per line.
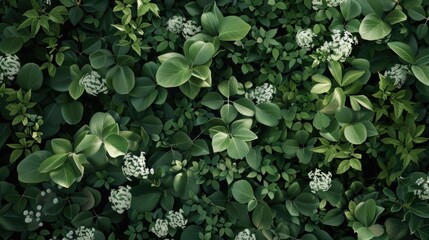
(242, 117)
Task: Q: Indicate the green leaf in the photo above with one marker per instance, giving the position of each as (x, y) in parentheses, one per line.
(268, 114)
(72, 112)
(237, 148)
(210, 23)
(75, 15)
(220, 141)
(242, 191)
(254, 159)
(343, 166)
(306, 203)
(321, 121)
(200, 148)
(146, 202)
(182, 140)
(373, 28)
(173, 72)
(27, 168)
(360, 100)
(66, 175)
(189, 90)
(420, 210)
(334, 217)
(61, 145)
(101, 59)
(122, 78)
(395, 16)
(403, 51)
(200, 52)
(336, 70)
(76, 90)
(99, 121)
(53, 162)
(396, 229)
(323, 84)
(212, 100)
(421, 73)
(262, 216)
(232, 28)
(344, 115)
(365, 212)
(244, 134)
(351, 76)
(202, 73)
(350, 9)
(116, 145)
(30, 77)
(228, 113)
(11, 45)
(228, 88)
(355, 133)
(88, 145)
(245, 107)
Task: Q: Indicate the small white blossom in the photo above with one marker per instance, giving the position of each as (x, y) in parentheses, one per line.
(120, 199)
(190, 28)
(262, 93)
(320, 181)
(82, 233)
(304, 38)
(93, 83)
(422, 193)
(161, 228)
(318, 4)
(175, 24)
(176, 219)
(55, 200)
(397, 73)
(9, 66)
(136, 166)
(245, 235)
(338, 49)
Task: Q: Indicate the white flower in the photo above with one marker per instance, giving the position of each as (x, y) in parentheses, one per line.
(317, 4)
(83, 233)
(9, 66)
(175, 24)
(161, 228)
(320, 181)
(245, 235)
(93, 83)
(262, 93)
(422, 193)
(120, 199)
(135, 166)
(398, 73)
(190, 28)
(176, 219)
(47, 2)
(338, 49)
(304, 38)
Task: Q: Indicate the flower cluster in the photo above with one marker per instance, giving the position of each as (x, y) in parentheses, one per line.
(320, 181)
(82, 233)
(176, 219)
(136, 166)
(245, 235)
(397, 73)
(318, 4)
(179, 24)
(93, 83)
(31, 216)
(120, 199)
(422, 193)
(160, 228)
(173, 219)
(175, 24)
(338, 49)
(9, 66)
(262, 93)
(304, 38)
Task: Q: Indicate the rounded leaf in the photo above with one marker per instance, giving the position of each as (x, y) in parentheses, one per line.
(173, 72)
(28, 168)
(373, 28)
(72, 112)
(232, 28)
(355, 133)
(201, 52)
(30, 77)
(242, 191)
(122, 79)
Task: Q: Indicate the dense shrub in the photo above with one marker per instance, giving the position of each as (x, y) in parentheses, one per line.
(234, 119)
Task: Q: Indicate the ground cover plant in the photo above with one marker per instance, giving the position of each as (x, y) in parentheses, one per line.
(228, 119)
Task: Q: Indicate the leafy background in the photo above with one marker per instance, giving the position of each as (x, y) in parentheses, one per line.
(230, 163)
